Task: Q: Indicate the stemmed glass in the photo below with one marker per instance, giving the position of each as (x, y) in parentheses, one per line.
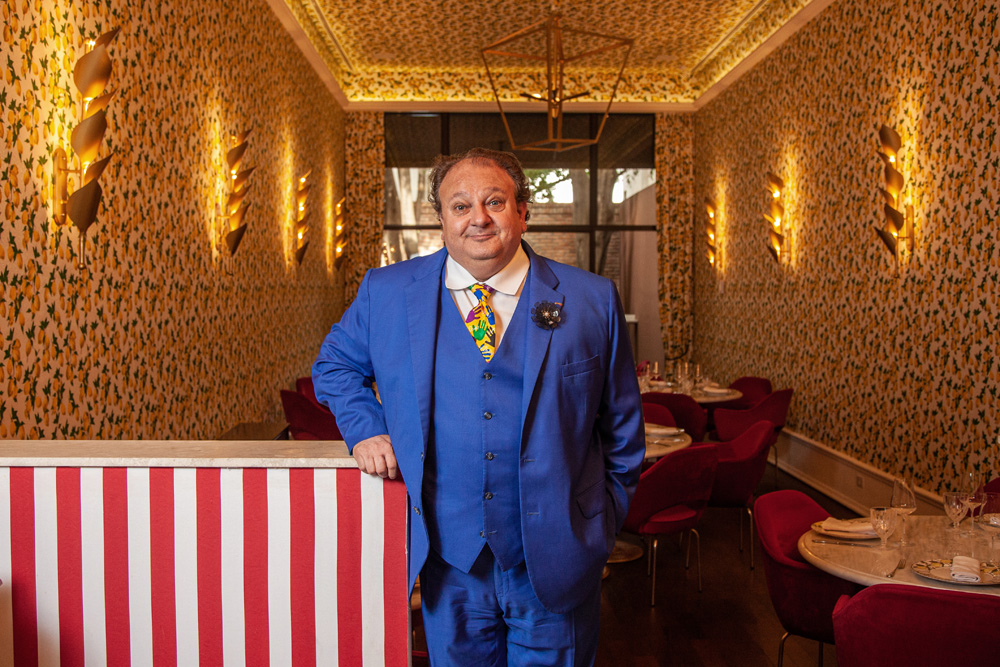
(904, 500)
(884, 520)
(989, 521)
(954, 508)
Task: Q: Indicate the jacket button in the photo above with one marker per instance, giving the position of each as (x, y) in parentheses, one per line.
(488, 495)
(487, 375)
(417, 510)
(489, 456)
(482, 533)
(487, 415)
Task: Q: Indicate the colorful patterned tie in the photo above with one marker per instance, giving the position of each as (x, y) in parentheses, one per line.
(481, 321)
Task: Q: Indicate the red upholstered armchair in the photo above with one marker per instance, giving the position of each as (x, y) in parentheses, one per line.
(741, 465)
(774, 408)
(803, 596)
(670, 498)
(307, 419)
(653, 413)
(894, 624)
(688, 415)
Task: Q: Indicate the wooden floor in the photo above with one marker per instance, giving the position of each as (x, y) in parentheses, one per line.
(731, 622)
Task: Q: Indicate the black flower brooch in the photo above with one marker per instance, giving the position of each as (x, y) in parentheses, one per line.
(546, 314)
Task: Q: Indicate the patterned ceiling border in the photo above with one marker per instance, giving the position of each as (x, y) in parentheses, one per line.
(768, 24)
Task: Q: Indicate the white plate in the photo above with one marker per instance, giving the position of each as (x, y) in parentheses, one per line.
(940, 570)
(658, 429)
(846, 535)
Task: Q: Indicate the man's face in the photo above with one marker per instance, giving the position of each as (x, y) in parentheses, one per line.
(481, 223)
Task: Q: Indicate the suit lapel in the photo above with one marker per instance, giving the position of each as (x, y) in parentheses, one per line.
(423, 298)
(541, 287)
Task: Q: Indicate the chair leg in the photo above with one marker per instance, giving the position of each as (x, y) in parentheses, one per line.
(750, 514)
(820, 654)
(652, 592)
(697, 554)
(687, 554)
(741, 532)
(649, 555)
(775, 448)
(781, 648)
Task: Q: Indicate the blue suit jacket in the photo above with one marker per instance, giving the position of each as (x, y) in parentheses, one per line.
(582, 439)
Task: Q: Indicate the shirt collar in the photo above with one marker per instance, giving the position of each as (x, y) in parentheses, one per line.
(508, 280)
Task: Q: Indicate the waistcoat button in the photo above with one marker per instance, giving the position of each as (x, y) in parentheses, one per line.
(488, 415)
(487, 375)
(488, 495)
(489, 456)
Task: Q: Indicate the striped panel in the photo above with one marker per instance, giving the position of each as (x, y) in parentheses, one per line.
(206, 566)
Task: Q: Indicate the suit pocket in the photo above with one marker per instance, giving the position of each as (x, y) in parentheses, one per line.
(579, 367)
(593, 500)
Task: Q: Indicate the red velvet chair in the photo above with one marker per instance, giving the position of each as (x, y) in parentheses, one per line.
(688, 415)
(803, 596)
(774, 408)
(741, 466)
(754, 390)
(670, 498)
(895, 624)
(653, 413)
(992, 486)
(308, 420)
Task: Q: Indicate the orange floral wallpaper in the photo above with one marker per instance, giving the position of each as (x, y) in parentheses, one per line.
(162, 334)
(365, 197)
(893, 363)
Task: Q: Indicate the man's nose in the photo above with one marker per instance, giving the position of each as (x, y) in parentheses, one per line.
(481, 215)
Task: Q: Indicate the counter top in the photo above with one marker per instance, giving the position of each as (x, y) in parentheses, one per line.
(176, 453)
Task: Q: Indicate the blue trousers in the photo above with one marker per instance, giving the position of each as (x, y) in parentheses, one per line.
(491, 617)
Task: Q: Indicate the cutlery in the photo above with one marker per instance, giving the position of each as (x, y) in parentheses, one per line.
(845, 544)
(899, 566)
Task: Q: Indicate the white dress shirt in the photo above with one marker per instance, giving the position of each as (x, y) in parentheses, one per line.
(508, 283)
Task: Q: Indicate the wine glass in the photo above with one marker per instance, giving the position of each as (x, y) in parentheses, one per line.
(904, 500)
(884, 520)
(971, 500)
(954, 508)
(989, 521)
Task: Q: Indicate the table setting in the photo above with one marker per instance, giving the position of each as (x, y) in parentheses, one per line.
(891, 544)
(662, 440)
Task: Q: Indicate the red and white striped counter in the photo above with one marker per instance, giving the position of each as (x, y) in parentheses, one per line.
(199, 553)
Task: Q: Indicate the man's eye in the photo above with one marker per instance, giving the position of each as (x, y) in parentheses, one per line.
(459, 208)
(494, 203)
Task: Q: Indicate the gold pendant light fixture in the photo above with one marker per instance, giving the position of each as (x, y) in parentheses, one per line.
(551, 45)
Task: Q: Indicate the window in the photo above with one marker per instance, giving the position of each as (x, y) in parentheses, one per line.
(591, 204)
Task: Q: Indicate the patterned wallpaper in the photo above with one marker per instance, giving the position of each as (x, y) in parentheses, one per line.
(893, 363)
(674, 182)
(365, 145)
(162, 334)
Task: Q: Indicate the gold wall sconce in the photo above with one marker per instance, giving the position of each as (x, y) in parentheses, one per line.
(301, 218)
(339, 238)
(90, 76)
(897, 233)
(710, 228)
(235, 207)
(777, 243)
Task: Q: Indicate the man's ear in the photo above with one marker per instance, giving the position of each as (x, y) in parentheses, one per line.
(522, 212)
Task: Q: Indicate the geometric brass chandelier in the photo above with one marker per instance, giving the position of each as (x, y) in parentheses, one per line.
(547, 51)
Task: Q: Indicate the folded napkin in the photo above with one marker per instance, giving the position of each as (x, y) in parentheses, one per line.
(860, 528)
(965, 569)
(715, 390)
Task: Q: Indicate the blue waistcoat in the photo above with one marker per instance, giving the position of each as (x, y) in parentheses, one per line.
(471, 477)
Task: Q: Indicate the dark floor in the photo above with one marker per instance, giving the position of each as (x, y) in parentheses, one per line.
(731, 622)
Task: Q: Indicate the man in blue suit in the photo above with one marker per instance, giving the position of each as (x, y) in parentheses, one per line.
(507, 398)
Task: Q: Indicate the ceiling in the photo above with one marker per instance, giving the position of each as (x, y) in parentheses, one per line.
(411, 53)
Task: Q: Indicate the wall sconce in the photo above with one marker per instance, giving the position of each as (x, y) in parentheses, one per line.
(301, 226)
(235, 207)
(339, 240)
(710, 233)
(90, 75)
(897, 234)
(777, 243)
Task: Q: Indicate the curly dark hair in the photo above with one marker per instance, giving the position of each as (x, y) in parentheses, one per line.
(506, 161)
